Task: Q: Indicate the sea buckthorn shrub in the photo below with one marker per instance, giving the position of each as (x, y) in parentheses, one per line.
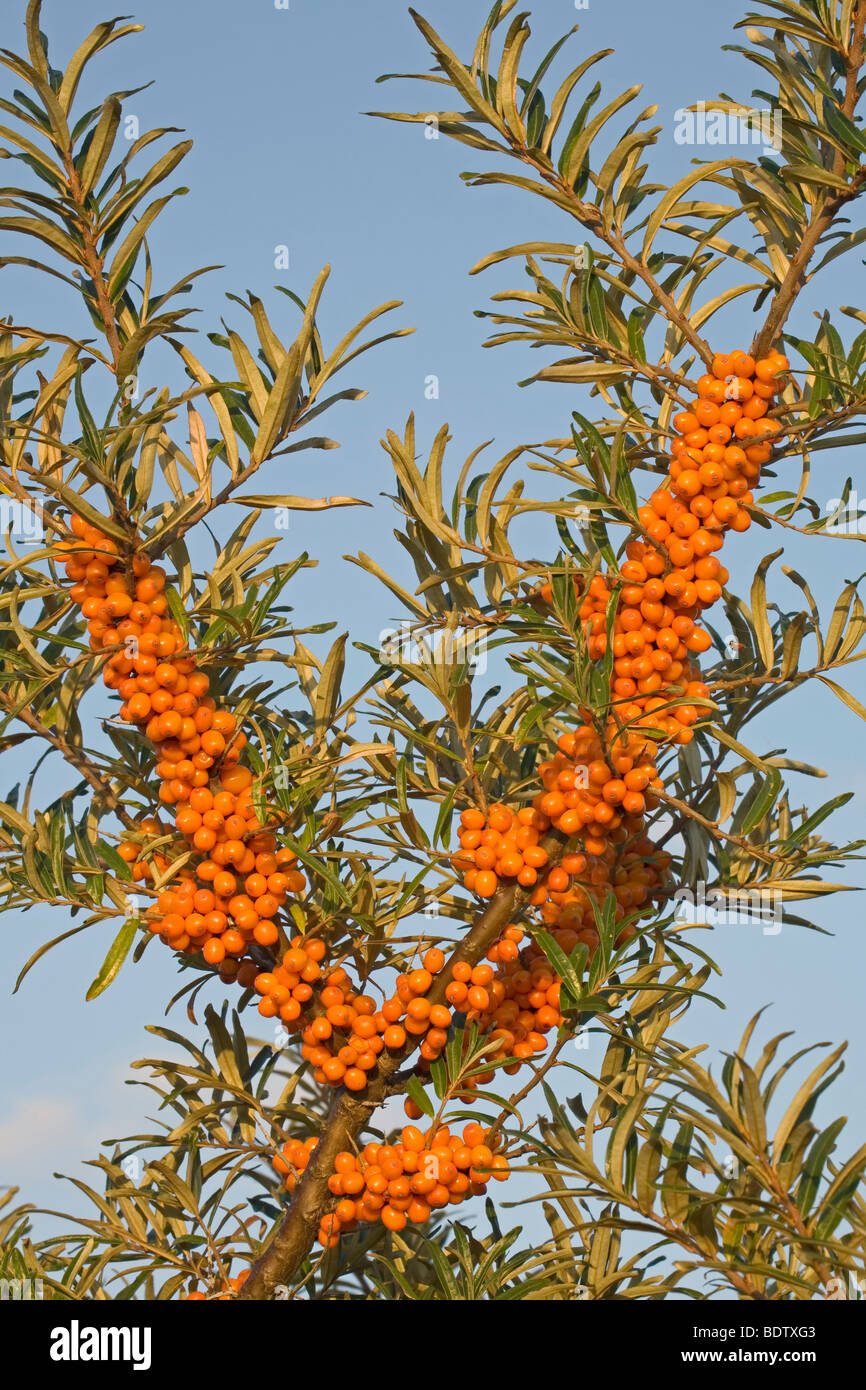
(418, 888)
(595, 792)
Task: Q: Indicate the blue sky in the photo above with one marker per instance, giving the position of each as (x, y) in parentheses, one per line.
(283, 157)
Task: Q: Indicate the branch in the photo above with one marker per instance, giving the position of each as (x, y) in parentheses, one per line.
(785, 296)
(717, 832)
(590, 217)
(77, 759)
(94, 262)
(350, 1113)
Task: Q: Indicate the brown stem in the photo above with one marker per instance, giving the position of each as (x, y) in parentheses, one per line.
(715, 830)
(802, 531)
(590, 217)
(822, 219)
(795, 678)
(72, 755)
(823, 1270)
(95, 265)
(350, 1113)
(94, 262)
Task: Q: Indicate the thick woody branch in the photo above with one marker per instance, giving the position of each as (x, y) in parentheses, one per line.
(350, 1113)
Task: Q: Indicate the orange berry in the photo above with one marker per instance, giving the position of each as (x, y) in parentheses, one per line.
(486, 884)
(420, 981)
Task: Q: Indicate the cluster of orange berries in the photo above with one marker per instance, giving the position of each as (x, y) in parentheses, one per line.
(500, 844)
(485, 995)
(242, 879)
(600, 793)
(598, 789)
(399, 1183)
(524, 996)
(233, 1286)
(132, 850)
(654, 635)
(672, 575)
(213, 912)
(602, 799)
(342, 1031)
(668, 579)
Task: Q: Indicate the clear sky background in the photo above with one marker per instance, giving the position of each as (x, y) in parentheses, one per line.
(284, 157)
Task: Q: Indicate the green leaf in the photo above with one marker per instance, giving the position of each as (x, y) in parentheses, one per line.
(760, 621)
(459, 76)
(812, 822)
(126, 254)
(178, 611)
(44, 949)
(101, 143)
(327, 694)
(223, 1048)
(416, 1091)
(282, 399)
(763, 802)
(100, 37)
(561, 97)
(569, 968)
(117, 954)
(800, 1100)
(845, 696)
(813, 1165)
(443, 1268)
(110, 856)
(439, 1077)
(649, 1161)
(43, 230)
(124, 203)
(580, 149)
(752, 1106)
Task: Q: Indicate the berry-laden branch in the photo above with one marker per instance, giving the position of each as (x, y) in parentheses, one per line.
(314, 1194)
(830, 206)
(596, 791)
(202, 776)
(582, 841)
